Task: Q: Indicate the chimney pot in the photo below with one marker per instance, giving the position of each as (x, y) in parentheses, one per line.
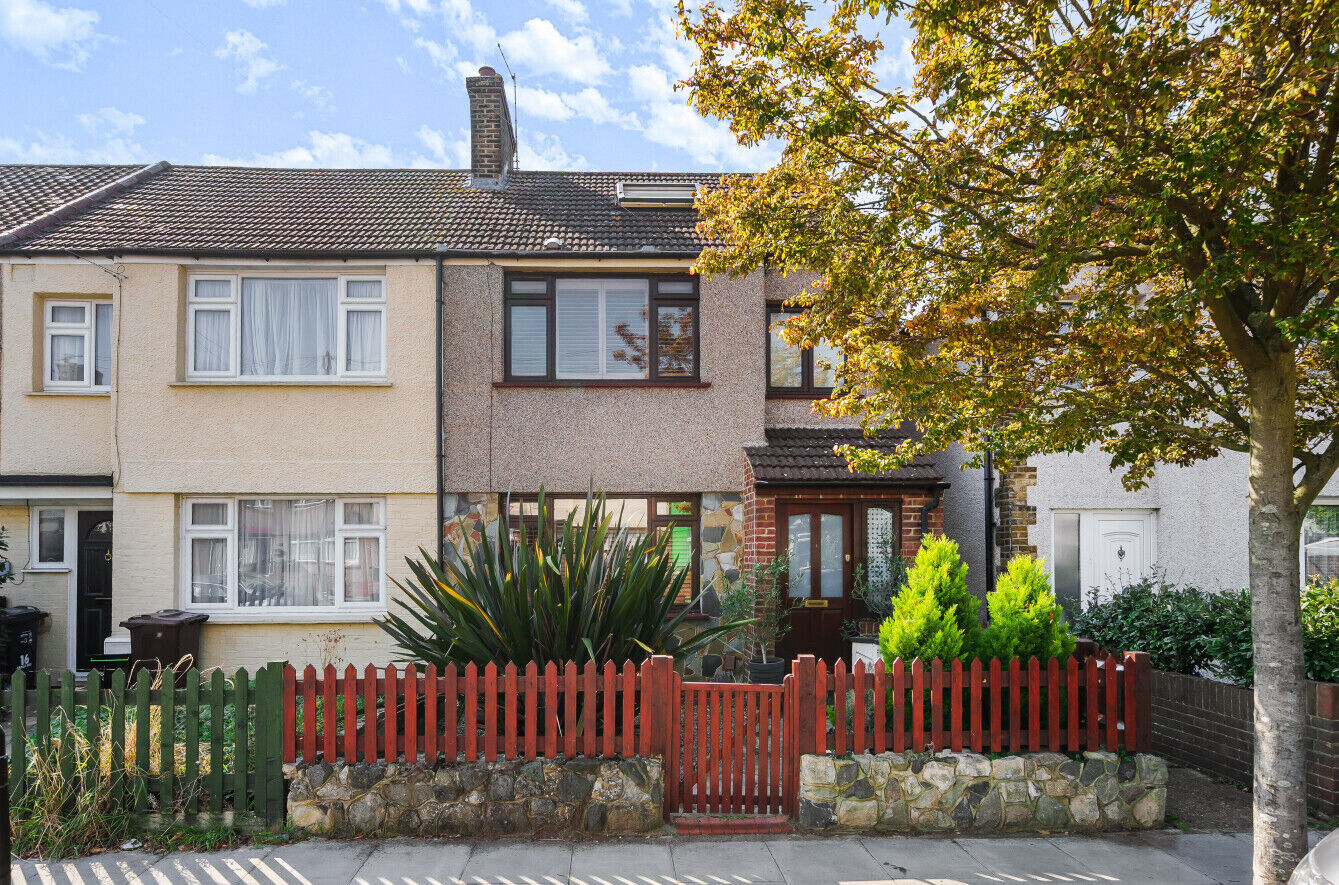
(487, 71)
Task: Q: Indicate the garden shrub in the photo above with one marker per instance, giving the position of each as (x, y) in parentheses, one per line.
(934, 615)
(1230, 643)
(1174, 623)
(1025, 619)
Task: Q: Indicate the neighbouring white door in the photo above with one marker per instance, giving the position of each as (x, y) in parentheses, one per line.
(1101, 550)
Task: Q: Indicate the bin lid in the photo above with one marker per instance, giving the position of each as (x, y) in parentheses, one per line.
(23, 613)
(168, 617)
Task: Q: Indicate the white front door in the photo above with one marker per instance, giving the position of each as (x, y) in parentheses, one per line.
(1116, 548)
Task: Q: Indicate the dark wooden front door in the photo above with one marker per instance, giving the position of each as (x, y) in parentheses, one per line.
(94, 599)
(817, 539)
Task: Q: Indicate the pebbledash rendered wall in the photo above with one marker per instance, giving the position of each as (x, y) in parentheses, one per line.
(560, 797)
(968, 792)
(1209, 725)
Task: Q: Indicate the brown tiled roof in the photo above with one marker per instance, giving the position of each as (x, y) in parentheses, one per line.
(213, 210)
(804, 456)
(29, 191)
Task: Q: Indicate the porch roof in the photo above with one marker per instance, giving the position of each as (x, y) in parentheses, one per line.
(806, 456)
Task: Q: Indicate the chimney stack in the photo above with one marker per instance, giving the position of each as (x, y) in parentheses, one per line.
(492, 142)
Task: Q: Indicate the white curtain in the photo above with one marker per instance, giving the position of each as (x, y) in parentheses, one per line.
(363, 348)
(286, 552)
(213, 344)
(362, 569)
(67, 357)
(209, 570)
(288, 327)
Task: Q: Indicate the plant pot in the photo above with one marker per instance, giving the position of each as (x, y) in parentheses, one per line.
(769, 672)
(710, 664)
(865, 648)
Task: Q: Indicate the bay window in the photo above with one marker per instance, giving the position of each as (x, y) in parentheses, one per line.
(612, 328)
(286, 328)
(78, 336)
(297, 554)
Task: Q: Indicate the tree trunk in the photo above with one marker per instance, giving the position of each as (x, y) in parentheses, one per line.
(1280, 688)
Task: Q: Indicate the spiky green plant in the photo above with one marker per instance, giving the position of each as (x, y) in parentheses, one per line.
(588, 590)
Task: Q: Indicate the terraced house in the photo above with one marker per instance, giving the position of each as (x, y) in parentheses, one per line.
(252, 392)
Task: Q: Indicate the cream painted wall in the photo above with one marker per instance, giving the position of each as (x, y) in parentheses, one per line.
(48, 591)
(643, 440)
(47, 433)
(174, 439)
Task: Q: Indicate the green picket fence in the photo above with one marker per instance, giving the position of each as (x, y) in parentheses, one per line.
(169, 743)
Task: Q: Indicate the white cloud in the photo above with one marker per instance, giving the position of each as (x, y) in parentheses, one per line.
(402, 64)
(247, 52)
(539, 46)
(467, 23)
(264, 4)
(117, 121)
(62, 37)
(540, 151)
(110, 139)
(542, 103)
(590, 104)
(441, 54)
(672, 123)
(328, 149)
(443, 151)
(319, 96)
(573, 9)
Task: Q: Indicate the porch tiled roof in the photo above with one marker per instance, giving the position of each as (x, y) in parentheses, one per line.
(798, 456)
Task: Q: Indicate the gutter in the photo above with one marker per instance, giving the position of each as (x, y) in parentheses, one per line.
(65, 211)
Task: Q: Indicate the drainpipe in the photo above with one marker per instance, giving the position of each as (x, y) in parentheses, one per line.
(935, 497)
(988, 477)
(441, 417)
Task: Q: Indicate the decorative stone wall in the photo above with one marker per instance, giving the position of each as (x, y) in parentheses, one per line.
(967, 792)
(722, 540)
(467, 516)
(478, 798)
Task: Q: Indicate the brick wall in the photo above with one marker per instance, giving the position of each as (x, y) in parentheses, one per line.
(1015, 516)
(1208, 725)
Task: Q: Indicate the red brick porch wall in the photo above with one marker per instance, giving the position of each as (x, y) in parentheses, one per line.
(1208, 725)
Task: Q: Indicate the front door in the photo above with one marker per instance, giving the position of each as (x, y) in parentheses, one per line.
(94, 598)
(817, 539)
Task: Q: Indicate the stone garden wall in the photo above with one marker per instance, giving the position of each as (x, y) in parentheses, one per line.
(966, 792)
(478, 798)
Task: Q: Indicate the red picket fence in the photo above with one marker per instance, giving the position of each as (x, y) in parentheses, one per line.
(728, 749)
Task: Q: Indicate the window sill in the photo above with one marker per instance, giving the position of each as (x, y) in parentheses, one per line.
(95, 393)
(809, 395)
(691, 385)
(233, 382)
(277, 617)
(48, 570)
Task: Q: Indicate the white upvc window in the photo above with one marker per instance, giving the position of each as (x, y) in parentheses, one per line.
(78, 345)
(52, 540)
(284, 555)
(285, 328)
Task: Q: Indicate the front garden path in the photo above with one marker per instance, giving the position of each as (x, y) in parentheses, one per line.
(1164, 856)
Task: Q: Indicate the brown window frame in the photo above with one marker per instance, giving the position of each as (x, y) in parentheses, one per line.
(653, 521)
(655, 300)
(806, 388)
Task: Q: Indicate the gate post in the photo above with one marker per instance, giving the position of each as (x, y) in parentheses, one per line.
(799, 703)
(1138, 701)
(663, 702)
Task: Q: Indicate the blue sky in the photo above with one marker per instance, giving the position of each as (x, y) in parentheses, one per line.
(357, 83)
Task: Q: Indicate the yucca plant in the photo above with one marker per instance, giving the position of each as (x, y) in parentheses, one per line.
(589, 590)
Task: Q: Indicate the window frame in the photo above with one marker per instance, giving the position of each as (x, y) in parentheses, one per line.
(654, 300)
(232, 305)
(1320, 501)
(88, 330)
(35, 562)
(653, 522)
(228, 531)
(806, 389)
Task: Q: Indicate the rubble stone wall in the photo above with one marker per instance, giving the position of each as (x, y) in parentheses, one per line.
(967, 792)
(478, 798)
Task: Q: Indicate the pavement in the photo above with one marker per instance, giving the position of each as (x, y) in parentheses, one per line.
(1158, 856)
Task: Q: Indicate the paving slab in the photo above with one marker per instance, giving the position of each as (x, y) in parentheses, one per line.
(498, 864)
(1223, 857)
(317, 862)
(621, 862)
(1126, 857)
(824, 862)
(396, 860)
(241, 866)
(702, 862)
(111, 868)
(915, 857)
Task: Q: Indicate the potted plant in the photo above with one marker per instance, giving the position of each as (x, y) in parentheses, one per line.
(759, 604)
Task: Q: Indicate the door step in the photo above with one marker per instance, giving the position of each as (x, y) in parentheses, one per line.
(751, 824)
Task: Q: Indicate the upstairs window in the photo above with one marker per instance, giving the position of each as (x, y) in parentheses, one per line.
(286, 328)
(805, 371)
(627, 329)
(78, 345)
